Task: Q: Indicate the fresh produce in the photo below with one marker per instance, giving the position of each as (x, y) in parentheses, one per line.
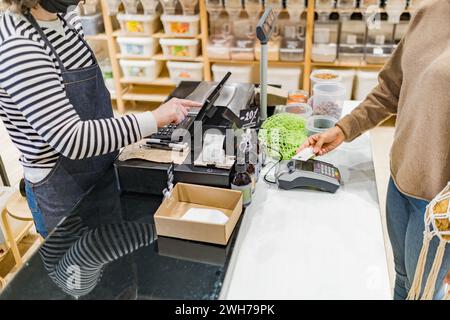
(283, 134)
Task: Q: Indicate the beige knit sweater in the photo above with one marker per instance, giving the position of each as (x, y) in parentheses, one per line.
(415, 85)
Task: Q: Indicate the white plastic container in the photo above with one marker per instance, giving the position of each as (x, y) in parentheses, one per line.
(328, 99)
(324, 76)
(241, 73)
(218, 48)
(346, 77)
(365, 82)
(180, 48)
(140, 71)
(92, 25)
(288, 78)
(180, 25)
(324, 52)
(138, 23)
(185, 71)
(137, 47)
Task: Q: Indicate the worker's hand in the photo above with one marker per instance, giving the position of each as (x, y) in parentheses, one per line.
(173, 111)
(324, 142)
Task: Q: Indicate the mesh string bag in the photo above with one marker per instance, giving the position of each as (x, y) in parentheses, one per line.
(283, 134)
(437, 224)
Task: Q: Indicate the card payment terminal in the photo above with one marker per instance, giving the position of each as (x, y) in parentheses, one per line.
(311, 174)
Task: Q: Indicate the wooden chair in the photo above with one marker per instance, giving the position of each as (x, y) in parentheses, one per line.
(16, 208)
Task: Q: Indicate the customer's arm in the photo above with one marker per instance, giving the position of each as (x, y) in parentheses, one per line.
(381, 103)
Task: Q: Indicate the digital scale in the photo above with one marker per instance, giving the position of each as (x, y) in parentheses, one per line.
(310, 174)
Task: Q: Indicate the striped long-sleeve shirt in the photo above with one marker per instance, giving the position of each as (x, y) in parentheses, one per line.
(34, 106)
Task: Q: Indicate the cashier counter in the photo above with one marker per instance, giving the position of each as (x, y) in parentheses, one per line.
(147, 177)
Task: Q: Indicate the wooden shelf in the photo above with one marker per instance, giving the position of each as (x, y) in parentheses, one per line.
(146, 94)
(123, 56)
(256, 62)
(161, 57)
(163, 81)
(96, 37)
(356, 65)
(158, 35)
(162, 35)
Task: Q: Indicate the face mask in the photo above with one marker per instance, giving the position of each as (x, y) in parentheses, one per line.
(58, 6)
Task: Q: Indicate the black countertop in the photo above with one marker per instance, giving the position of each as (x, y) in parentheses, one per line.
(107, 248)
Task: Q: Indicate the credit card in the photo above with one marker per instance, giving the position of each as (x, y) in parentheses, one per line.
(304, 155)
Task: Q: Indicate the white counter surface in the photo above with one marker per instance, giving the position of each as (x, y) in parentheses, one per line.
(301, 244)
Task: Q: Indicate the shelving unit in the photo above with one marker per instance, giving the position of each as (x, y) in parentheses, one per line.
(157, 90)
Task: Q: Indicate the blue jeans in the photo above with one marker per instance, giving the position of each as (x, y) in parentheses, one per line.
(35, 211)
(405, 223)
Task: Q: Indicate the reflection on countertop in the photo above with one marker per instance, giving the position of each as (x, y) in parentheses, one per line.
(107, 248)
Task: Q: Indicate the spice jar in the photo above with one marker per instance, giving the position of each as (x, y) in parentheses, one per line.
(243, 182)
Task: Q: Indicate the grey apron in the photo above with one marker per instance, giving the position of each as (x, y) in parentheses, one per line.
(70, 180)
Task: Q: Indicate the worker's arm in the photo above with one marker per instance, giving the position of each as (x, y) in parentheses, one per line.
(29, 77)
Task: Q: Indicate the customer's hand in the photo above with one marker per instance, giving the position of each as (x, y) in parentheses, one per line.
(173, 111)
(324, 142)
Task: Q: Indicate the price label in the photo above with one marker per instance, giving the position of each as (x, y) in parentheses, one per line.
(249, 117)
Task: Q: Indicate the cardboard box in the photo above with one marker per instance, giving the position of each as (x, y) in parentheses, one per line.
(186, 196)
(193, 251)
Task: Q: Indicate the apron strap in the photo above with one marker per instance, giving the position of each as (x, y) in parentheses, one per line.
(34, 23)
(69, 25)
(38, 28)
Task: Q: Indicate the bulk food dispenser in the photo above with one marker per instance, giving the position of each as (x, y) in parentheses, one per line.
(220, 31)
(394, 10)
(169, 6)
(325, 33)
(150, 6)
(353, 34)
(243, 46)
(293, 43)
(380, 39)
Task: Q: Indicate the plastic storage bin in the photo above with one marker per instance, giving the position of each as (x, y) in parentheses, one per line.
(346, 77)
(180, 48)
(288, 78)
(378, 54)
(242, 73)
(106, 68)
(365, 82)
(92, 25)
(138, 23)
(292, 50)
(243, 50)
(140, 71)
(179, 25)
(319, 124)
(131, 6)
(273, 51)
(185, 71)
(323, 52)
(325, 76)
(137, 47)
(219, 48)
(328, 99)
